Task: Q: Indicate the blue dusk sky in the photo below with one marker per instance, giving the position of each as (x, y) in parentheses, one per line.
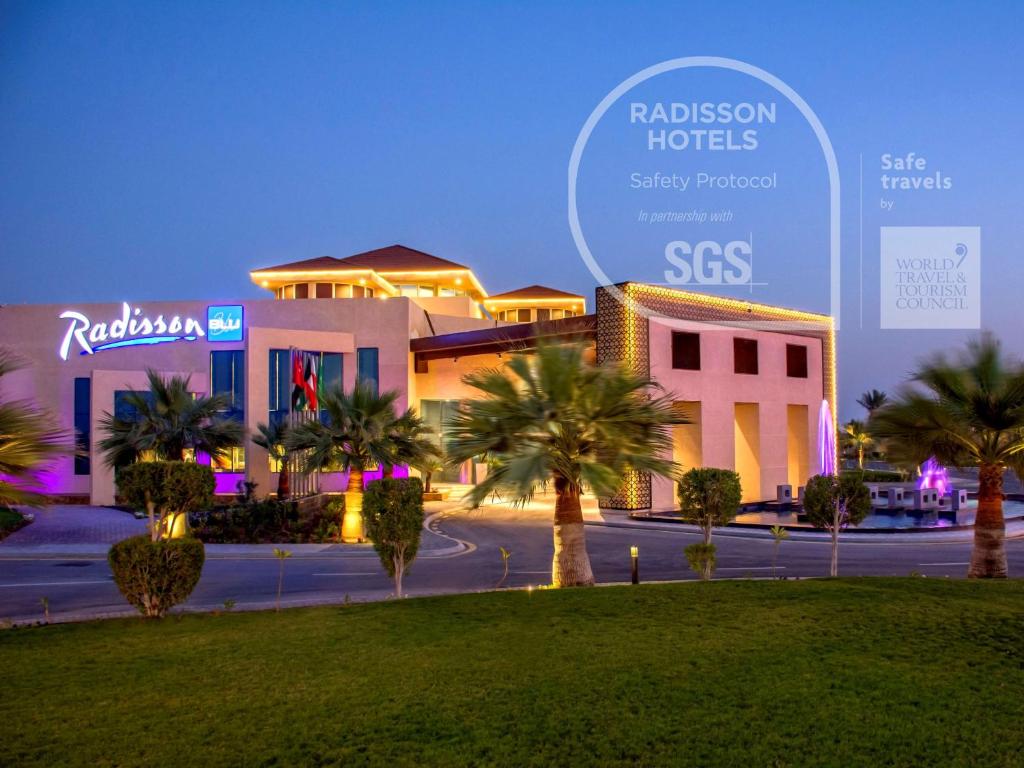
(161, 150)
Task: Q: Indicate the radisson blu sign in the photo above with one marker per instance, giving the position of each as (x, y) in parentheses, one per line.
(133, 328)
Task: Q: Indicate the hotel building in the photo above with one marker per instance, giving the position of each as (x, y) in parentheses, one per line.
(751, 377)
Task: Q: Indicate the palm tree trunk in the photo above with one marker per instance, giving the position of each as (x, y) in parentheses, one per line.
(570, 566)
(352, 520)
(284, 488)
(988, 558)
(860, 457)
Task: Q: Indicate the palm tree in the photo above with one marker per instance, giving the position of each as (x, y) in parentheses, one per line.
(965, 412)
(29, 439)
(271, 437)
(358, 436)
(551, 416)
(412, 444)
(168, 421)
(872, 400)
(428, 465)
(856, 438)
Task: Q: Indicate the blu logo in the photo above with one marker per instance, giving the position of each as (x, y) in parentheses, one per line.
(224, 323)
(709, 263)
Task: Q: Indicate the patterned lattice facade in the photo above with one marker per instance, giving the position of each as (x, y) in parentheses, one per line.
(624, 312)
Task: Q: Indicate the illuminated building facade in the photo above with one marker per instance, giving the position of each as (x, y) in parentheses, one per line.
(750, 377)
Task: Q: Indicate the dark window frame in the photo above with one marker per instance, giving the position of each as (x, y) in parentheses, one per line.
(745, 356)
(685, 351)
(796, 361)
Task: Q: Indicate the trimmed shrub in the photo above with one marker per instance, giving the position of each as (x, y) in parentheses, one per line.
(393, 511)
(154, 576)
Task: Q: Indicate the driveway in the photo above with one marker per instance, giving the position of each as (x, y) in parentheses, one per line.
(78, 584)
(73, 527)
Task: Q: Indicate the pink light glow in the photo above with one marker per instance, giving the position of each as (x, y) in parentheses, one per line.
(934, 475)
(826, 440)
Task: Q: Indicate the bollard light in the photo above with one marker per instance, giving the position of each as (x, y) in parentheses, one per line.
(634, 556)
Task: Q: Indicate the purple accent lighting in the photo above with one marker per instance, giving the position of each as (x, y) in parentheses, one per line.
(826, 440)
(934, 475)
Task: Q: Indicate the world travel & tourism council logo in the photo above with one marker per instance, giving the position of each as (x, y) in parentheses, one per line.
(930, 277)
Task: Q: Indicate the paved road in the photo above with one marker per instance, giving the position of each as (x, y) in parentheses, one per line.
(81, 585)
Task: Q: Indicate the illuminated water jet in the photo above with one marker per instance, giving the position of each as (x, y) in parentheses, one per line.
(826, 440)
(934, 475)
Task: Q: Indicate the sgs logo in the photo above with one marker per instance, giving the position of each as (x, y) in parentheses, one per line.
(709, 263)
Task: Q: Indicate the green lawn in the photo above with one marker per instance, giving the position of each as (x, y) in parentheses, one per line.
(856, 672)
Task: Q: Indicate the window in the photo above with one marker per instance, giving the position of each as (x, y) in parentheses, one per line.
(233, 460)
(543, 314)
(124, 410)
(280, 380)
(557, 314)
(302, 290)
(685, 351)
(342, 291)
(280, 383)
(324, 291)
(367, 367)
(744, 355)
(796, 361)
(289, 292)
(523, 316)
(358, 292)
(83, 424)
(227, 378)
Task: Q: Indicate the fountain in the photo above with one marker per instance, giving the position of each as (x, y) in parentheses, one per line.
(826, 440)
(934, 475)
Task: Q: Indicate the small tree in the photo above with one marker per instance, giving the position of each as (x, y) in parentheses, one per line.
(168, 491)
(281, 555)
(834, 503)
(709, 497)
(779, 535)
(393, 511)
(701, 558)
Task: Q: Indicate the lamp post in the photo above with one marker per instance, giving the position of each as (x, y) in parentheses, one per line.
(634, 556)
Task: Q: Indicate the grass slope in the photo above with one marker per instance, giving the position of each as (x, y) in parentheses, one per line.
(867, 672)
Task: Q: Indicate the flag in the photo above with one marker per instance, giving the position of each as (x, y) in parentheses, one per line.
(305, 377)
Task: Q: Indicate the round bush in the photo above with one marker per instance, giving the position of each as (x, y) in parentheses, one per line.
(154, 576)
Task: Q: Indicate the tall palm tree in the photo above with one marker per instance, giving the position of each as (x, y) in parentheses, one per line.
(872, 400)
(965, 412)
(168, 421)
(271, 437)
(29, 439)
(551, 416)
(357, 436)
(856, 437)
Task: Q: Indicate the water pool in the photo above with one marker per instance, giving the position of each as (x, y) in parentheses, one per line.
(880, 520)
